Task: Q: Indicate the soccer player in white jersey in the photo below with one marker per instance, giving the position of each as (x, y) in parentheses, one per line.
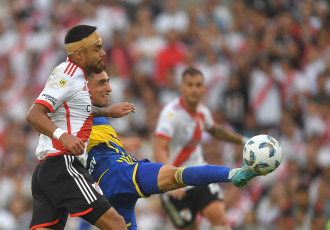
(178, 142)
(63, 115)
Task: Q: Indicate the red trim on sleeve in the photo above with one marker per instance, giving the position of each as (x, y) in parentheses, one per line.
(163, 135)
(45, 224)
(45, 103)
(67, 117)
(81, 213)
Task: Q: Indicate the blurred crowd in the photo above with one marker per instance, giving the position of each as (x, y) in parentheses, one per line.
(266, 65)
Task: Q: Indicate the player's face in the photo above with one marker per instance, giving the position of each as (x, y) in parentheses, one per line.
(100, 88)
(192, 89)
(94, 56)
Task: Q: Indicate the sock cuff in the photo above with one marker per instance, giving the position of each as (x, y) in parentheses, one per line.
(178, 176)
(231, 173)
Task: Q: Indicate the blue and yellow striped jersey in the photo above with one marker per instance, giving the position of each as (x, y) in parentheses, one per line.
(102, 132)
(104, 148)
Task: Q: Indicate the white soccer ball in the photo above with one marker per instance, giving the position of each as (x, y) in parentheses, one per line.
(262, 153)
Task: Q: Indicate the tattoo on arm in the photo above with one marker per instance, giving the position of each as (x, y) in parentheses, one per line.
(98, 112)
(225, 134)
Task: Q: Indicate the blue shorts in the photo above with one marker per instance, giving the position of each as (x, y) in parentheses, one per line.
(124, 181)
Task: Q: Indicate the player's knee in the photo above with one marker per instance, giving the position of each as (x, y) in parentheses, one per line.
(216, 213)
(166, 178)
(111, 220)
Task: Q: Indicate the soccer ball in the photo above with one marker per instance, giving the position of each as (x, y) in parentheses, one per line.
(262, 154)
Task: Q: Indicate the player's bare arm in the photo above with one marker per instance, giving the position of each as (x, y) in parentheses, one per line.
(161, 149)
(115, 111)
(225, 134)
(37, 117)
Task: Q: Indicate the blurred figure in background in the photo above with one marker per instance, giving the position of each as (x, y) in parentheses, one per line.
(177, 142)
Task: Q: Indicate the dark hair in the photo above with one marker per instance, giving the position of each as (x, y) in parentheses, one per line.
(78, 33)
(191, 71)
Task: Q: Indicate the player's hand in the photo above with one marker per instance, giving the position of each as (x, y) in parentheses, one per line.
(178, 194)
(72, 143)
(120, 109)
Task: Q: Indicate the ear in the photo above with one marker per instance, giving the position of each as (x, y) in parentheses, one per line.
(78, 55)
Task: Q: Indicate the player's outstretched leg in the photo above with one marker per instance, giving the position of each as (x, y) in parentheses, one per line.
(170, 177)
(242, 176)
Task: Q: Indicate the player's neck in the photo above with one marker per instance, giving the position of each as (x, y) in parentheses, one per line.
(79, 63)
(192, 108)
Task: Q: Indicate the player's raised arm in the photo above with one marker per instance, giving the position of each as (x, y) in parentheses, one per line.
(37, 117)
(114, 111)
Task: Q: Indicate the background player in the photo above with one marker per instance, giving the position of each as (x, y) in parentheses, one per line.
(178, 142)
(124, 179)
(63, 115)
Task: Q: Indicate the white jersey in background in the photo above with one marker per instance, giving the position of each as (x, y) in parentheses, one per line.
(184, 129)
(67, 97)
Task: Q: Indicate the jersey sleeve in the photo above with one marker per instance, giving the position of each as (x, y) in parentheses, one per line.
(166, 123)
(209, 121)
(58, 89)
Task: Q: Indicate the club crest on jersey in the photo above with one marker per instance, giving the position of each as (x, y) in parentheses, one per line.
(170, 115)
(62, 82)
(97, 188)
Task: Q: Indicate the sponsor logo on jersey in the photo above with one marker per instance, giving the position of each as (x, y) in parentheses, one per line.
(62, 82)
(53, 100)
(97, 188)
(170, 115)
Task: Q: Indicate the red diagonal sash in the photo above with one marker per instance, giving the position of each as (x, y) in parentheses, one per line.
(190, 147)
(255, 104)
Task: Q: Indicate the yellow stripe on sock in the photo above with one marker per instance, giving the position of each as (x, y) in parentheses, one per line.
(129, 224)
(178, 176)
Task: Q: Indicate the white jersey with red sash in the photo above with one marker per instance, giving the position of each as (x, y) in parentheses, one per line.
(184, 129)
(67, 97)
(265, 99)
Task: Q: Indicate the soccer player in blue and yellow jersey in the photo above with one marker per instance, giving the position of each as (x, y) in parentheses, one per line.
(123, 179)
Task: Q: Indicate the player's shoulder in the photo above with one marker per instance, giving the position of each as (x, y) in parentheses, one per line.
(202, 108)
(171, 111)
(173, 105)
(101, 121)
(68, 71)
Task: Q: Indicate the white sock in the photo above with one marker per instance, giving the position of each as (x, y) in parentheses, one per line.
(231, 174)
